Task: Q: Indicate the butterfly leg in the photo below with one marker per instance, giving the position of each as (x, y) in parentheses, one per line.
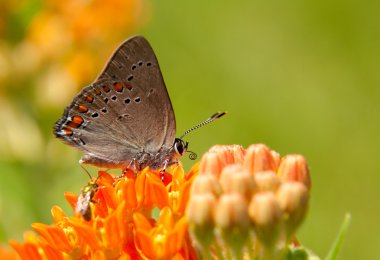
(166, 165)
(129, 166)
(162, 172)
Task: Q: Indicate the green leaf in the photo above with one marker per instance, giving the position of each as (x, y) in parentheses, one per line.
(300, 253)
(296, 254)
(336, 247)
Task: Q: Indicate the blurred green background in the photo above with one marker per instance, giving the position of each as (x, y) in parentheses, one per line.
(300, 76)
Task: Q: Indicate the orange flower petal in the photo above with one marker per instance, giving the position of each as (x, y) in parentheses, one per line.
(19, 248)
(143, 239)
(112, 231)
(179, 175)
(125, 257)
(58, 214)
(166, 218)
(50, 252)
(71, 199)
(129, 174)
(156, 192)
(100, 206)
(109, 195)
(176, 237)
(8, 253)
(31, 251)
(99, 255)
(54, 236)
(184, 195)
(127, 192)
(193, 171)
(123, 217)
(150, 190)
(87, 233)
(105, 178)
(141, 222)
(144, 244)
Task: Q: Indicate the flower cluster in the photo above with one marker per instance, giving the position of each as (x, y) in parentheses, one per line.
(121, 225)
(71, 31)
(246, 203)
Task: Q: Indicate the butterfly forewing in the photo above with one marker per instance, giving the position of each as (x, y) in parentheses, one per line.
(127, 110)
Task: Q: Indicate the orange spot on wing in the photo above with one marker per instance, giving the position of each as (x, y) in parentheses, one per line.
(106, 89)
(76, 122)
(97, 92)
(118, 87)
(89, 99)
(82, 109)
(67, 131)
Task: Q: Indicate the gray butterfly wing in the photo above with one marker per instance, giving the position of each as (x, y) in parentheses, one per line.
(126, 111)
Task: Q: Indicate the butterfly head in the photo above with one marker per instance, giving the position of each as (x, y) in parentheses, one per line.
(180, 147)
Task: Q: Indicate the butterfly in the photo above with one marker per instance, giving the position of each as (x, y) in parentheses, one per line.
(125, 117)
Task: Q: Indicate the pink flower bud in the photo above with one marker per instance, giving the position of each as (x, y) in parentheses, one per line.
(258, 157)
(293, 198)
(294, 168)
(265, 213)
(232, 220)
(211, 164)
(235, 178)
(206, 183)
(199, 213)
(267, 181)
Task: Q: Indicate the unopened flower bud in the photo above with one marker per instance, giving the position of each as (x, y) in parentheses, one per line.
(267, 181)
(231, 217)
(293, 198)
(265, 213)
(211, 164)
(235, 178)
(224, 154)
(237, 152)
(199, 213)
(277, 159)
(258, 157)
(294, 168)
(206, 183)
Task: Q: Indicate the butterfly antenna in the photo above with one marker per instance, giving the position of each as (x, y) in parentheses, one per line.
(208, 120)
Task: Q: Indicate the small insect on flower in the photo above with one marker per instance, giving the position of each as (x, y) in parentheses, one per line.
(83, 205)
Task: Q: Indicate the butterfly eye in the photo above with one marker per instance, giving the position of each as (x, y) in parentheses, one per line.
(180, 147)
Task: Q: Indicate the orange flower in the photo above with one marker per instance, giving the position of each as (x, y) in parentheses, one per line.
(62, 42)
(7, 253)
(118, 223)
(164, 239)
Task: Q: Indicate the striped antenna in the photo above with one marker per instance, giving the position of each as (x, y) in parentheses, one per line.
(208, 120)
